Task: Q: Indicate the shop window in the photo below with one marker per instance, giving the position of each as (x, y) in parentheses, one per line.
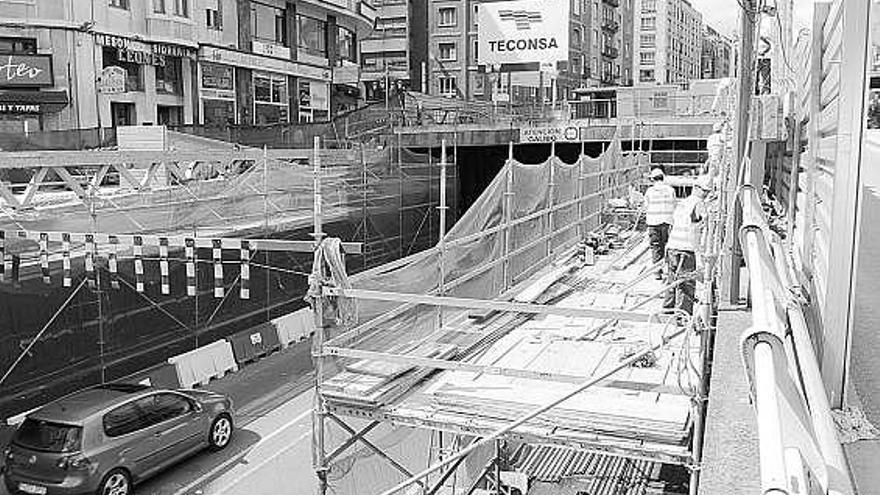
(268, 23)
(447, 17)
(270, 98)
(18, 46)
(119, 4)
(312, 35)
(346, 44)
(448, 52)
(216, 76)
(169, 78)
(159, 6)
(134, 80)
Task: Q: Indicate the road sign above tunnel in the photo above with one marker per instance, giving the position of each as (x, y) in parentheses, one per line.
(565, 132)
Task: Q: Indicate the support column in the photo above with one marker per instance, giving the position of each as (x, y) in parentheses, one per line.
(319, 415)
(508, 217)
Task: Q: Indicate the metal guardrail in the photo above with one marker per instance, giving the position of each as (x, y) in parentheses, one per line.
(797, 440)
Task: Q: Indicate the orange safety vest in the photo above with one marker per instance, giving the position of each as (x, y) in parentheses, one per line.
(659, 204)
(685, 233)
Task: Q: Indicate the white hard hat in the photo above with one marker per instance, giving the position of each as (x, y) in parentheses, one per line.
(703, 182)
(656, 174)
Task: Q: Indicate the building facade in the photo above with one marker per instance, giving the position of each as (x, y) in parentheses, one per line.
(600, 54)
(668, 42)
(396, 50)
(178, 62)
(717, 55)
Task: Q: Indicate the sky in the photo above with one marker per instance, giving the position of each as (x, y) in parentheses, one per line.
(723, 15)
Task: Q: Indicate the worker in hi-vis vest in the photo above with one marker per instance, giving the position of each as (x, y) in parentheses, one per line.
(659, 205)
(684, 244)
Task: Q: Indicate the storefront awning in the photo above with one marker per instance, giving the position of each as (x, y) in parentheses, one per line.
(32, 102)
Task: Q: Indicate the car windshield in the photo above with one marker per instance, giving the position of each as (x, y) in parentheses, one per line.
(48, 437)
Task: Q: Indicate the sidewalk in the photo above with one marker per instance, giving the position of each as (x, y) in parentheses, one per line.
(730, 449)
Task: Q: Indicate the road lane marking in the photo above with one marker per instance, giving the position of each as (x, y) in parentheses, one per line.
(243, 476)
(238, 457)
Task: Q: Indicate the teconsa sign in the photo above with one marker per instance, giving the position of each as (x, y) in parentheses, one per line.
(522, 31)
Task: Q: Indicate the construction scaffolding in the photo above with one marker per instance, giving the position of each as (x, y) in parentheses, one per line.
(517, 321)
(382, 199)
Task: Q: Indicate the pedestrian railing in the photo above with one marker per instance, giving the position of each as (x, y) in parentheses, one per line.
(797, 443)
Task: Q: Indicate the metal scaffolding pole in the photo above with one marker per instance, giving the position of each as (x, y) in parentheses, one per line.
(441, 243)
(319, 415)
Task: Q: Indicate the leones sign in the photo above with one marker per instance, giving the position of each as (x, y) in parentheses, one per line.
(522, 31)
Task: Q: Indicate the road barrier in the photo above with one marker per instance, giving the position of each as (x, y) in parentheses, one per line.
(294, 327)
(200, 365)
(163, 375)
(254, 343)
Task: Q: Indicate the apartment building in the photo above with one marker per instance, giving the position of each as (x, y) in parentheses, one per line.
(717, 55)
(395, 51)
(214, 62)
(668, 44)
(600, 53)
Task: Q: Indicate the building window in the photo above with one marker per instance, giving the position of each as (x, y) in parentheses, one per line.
(576, 37)
(18, 46)
(447, 17)
(661, 100)
(169, 78)
(268, 23)
(181, 8)
(270, 98)
(447, 52)
(346, 46)
(648, 40)
(312, 35)
(447, 85)
(120, 4)
(646, 58)
(649, 23)
(133, 76)
(646, 75)
(649, 6)
(213, 16)
(476, 47)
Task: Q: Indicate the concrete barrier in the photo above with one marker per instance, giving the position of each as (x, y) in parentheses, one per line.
(163, 375)
(199, 366)
(254, 343)
(295, 327)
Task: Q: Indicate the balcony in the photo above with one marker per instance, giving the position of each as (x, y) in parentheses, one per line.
(613, 3)
(610, 25)
(610, 52)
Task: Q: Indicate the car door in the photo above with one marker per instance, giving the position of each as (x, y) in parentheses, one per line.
(133, 433)
(183, 429)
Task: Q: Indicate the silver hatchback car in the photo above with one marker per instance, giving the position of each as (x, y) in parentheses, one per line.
(105, 439)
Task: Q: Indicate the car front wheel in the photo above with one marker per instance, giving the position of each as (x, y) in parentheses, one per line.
(117, 482)
(221, 432)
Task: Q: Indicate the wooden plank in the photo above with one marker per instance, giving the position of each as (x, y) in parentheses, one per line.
(458, 302)
(34, 186)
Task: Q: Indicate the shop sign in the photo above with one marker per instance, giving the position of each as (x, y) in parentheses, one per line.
(19, 108)
(18, 71)
(218, 94)
(257, 62)
(523, 31)
(112, 80)
(135, 52)
(271, 49)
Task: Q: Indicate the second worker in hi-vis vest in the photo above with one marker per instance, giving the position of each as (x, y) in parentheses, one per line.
(659, 206)
(683, 246)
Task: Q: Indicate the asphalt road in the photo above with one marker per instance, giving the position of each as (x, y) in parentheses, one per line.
(272, 445)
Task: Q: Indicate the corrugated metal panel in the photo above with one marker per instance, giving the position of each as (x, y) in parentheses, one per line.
(604, 474)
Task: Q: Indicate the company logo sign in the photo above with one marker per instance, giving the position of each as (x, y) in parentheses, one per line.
(523, 19)
(523, 31)
(19, 71)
